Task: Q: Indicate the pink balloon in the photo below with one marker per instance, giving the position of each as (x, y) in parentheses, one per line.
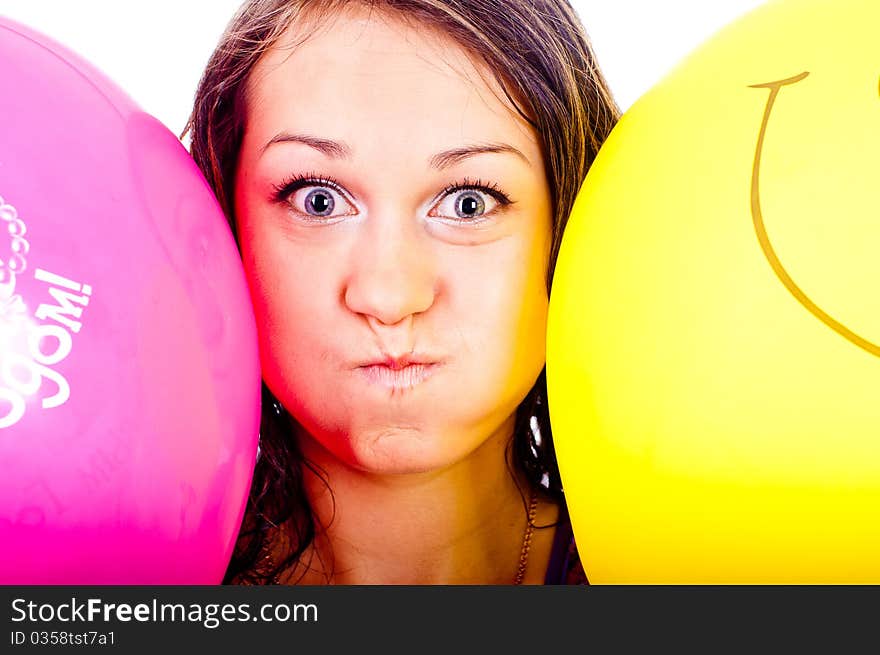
(129, 374)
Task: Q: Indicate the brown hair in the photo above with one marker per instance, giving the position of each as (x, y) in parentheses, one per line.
(542, 58)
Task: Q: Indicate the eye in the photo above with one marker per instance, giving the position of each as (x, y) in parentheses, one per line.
(320, 202)
(315, 198)
(469, 202)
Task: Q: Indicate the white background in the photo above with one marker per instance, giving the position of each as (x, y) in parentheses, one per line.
(156, 50)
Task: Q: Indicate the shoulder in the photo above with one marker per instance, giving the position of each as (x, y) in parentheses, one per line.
(565, 566)
(574, 570)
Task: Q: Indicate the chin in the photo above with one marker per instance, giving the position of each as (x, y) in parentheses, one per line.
(399, 451)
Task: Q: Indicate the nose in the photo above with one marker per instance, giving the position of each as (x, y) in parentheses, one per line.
(392, 274)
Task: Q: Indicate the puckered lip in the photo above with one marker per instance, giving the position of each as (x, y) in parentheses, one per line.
(398, 362)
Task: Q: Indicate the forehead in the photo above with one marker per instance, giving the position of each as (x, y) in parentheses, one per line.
(356, 72)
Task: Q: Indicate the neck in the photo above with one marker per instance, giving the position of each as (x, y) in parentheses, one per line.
(460, 525)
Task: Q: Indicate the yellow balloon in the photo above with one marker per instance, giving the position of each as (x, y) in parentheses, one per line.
(713, 359)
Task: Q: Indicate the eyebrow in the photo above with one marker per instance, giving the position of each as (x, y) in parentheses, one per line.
(442, 160)
(333, 149)
(452, 157)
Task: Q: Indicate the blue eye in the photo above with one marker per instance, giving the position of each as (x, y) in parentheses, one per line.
(470, 205)
(319, 202)
(314, 197)
(469, 202)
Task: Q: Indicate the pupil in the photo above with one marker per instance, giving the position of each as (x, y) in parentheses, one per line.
(470, 205)
(319, 202)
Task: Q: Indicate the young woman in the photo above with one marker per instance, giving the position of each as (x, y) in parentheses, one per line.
(398, 174)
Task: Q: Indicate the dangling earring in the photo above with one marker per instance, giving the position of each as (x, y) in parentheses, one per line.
(277, 407)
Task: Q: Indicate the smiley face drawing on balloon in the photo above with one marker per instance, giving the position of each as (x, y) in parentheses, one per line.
(773, 259)
(714, 329)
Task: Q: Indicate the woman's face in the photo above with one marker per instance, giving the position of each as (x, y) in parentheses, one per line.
(394, 220)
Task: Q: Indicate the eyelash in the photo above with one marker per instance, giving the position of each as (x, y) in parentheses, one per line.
(489, 188)
(294, 183)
